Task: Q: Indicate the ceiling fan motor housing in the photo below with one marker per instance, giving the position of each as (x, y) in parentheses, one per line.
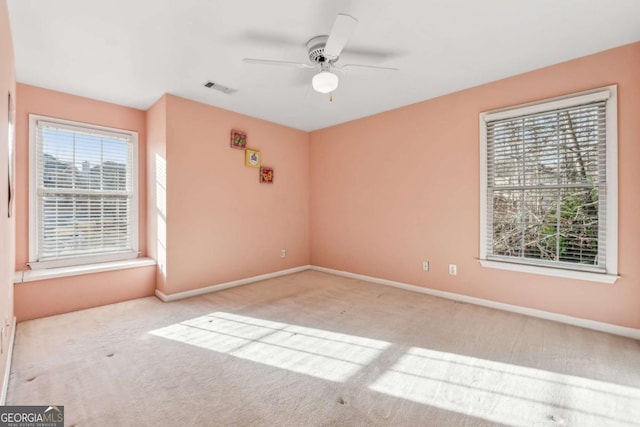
(316, 49)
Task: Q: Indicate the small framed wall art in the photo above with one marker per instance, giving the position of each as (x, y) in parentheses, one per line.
(252, 158)
(238, 139)
(266, 175)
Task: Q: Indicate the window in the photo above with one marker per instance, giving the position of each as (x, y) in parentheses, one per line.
(549, 187)
(83, 187)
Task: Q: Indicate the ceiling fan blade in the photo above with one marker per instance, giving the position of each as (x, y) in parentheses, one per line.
(342, 28)
(371, 54)
(347, 66)
(274, 62)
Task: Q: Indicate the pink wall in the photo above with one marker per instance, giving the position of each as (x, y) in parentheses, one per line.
(223, 224)
(391, 190)
(7, 225)
(375, 196)
(55, 296)
(35, 299)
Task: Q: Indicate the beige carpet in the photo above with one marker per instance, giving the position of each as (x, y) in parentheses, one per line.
(312, 349)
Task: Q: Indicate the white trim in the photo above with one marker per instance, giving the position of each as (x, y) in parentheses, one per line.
(90, 129)
(81, 260)
(136, 194)
(575, 321)
(483, 188)
(33, 199)
(608, 93)
(549, 271)
(586, 97)
(612, 181)
(33, 211)
(7, 371)
(52, 273)
(201, 291)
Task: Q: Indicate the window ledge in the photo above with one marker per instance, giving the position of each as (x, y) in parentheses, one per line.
(546, 271)
(52, 273)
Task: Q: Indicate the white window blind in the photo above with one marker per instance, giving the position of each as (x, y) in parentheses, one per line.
(546, 185)
(85, 193)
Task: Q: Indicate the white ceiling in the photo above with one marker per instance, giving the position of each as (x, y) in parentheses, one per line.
(130, 52)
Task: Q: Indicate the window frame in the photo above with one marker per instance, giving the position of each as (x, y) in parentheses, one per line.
(610, 96)
(34, 221)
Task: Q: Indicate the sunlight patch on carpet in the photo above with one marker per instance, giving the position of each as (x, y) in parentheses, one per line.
(506, 393)
(315, 352)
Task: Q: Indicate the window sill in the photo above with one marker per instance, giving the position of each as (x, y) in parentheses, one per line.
(556, 272)
(79, 261)
(52, 273)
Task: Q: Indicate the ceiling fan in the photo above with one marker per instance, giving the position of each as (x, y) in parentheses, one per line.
(324, 52)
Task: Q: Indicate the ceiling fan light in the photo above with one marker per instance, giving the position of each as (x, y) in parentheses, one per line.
(324, 82)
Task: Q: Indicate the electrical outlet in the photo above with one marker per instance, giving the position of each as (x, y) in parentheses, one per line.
(283, 253)
(453, 269)
(425, 265)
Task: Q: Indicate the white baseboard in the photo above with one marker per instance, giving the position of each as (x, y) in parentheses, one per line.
(7, 371)
(201, 291)
(575, 321)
